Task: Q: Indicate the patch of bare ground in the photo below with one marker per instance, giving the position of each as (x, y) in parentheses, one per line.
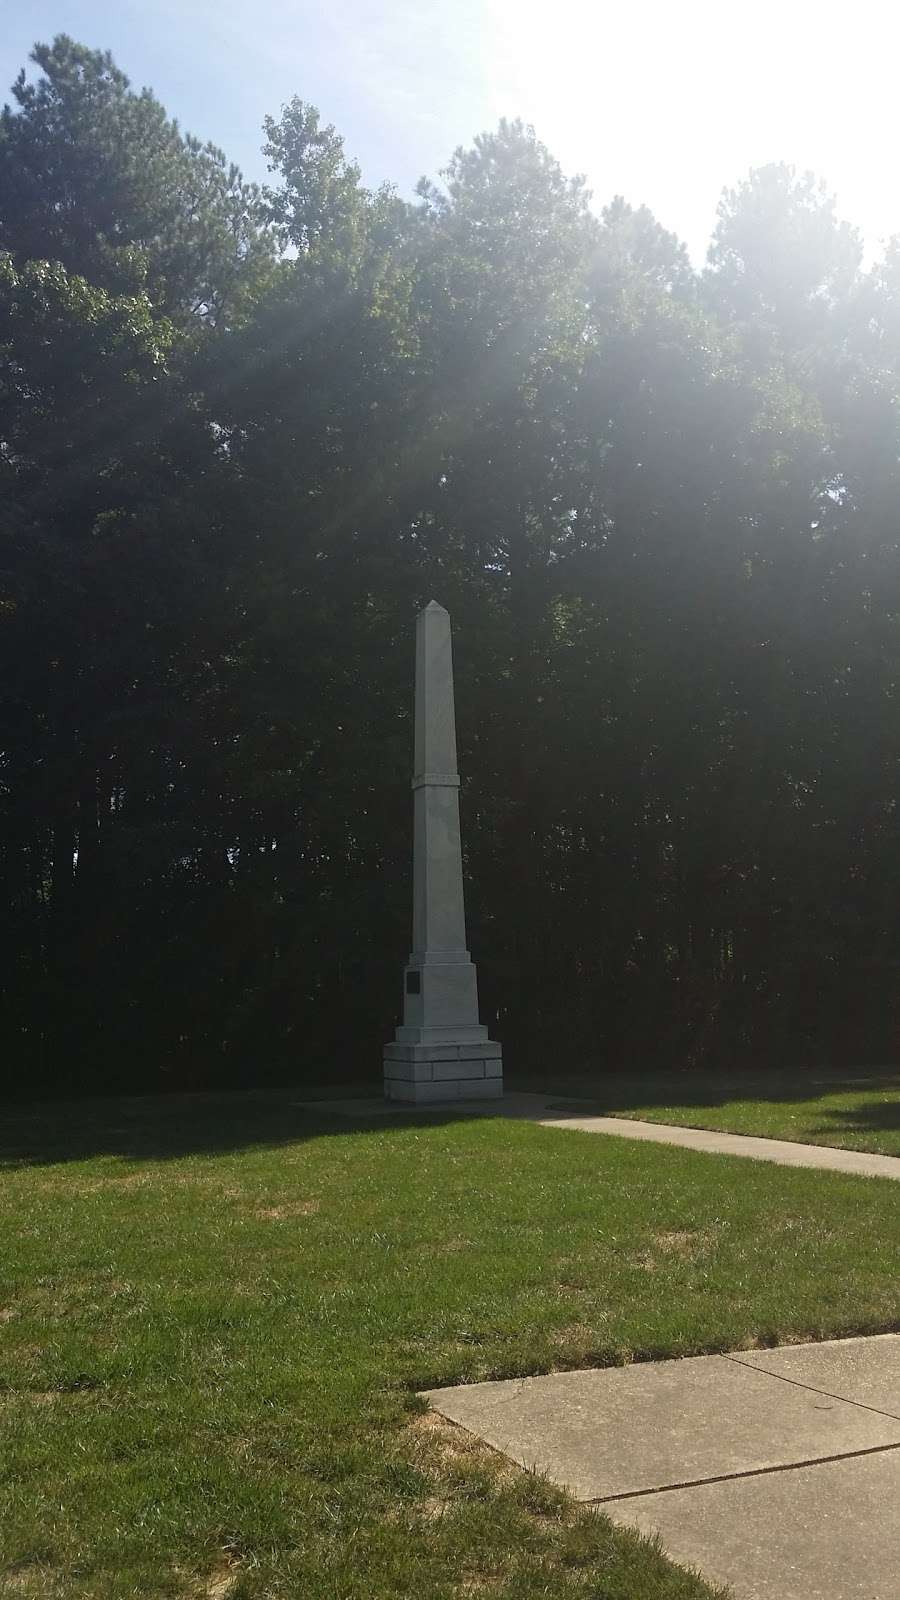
(452, 1456)
(581, 1335)
(431, 1509)
(678, 1242)
(53, 1301)
(147, 1177)
(25, 1353)
(29, 1579)
(681, 1243)
(219, 1583)
(115, 1182)
(767, 1341)
(437, 1442)
(294, 1208)
(11, 1398)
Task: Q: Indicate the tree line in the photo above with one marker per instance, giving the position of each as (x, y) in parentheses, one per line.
(245, 432)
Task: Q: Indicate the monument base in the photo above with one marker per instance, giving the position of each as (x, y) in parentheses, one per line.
(427, 1074)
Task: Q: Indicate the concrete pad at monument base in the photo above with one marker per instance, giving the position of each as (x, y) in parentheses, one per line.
(776, 1472)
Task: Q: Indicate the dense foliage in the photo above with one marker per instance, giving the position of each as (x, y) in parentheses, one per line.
(245, 433)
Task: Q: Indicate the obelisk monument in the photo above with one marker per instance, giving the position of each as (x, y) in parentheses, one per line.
(441, 1051)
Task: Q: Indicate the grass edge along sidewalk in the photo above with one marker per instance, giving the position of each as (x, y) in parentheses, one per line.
(849, 1110)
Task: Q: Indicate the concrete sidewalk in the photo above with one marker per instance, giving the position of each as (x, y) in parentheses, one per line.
(774, 1471)
(550, 1111)
(782, 1151)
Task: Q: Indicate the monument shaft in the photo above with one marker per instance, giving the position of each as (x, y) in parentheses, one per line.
(441, 1051)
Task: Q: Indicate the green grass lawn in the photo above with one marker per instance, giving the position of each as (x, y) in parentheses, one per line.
(859, 1111)
(215, 1313)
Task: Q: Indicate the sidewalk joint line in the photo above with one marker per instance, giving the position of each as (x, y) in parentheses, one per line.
(734, 1477)
(829, 1394)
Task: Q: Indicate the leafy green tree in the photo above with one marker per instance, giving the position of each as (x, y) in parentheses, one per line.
(779, 257)
(98, 178)
(99, 441)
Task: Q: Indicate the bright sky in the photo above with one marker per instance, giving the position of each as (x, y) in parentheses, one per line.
(664, 101)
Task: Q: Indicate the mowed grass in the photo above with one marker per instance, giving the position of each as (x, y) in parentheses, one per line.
(853, 1112)
(215, 1313)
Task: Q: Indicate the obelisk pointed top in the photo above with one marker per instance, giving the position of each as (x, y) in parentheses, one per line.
(434, 606)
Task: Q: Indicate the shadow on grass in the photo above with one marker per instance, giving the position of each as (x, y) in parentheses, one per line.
(623, 1092)
(657, 1090)
(168, 1127)
(879, 1116)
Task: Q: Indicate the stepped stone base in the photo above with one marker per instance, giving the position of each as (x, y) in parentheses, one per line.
(430, 1073)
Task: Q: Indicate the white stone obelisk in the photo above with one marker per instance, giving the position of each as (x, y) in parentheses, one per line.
(441, 1051)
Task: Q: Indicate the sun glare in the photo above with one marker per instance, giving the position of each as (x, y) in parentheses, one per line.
(668, 104)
